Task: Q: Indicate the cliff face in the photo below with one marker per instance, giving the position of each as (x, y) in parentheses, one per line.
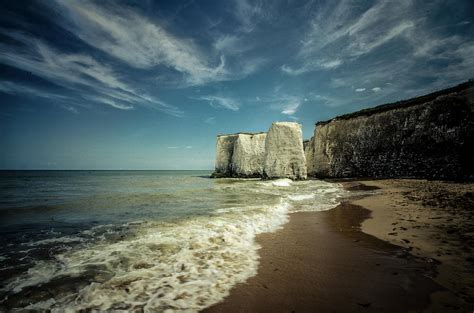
(278, 154)
(309, 151)
(249, 151)
(426, 137)
(284, 155)
(240, 155)
(224, 152)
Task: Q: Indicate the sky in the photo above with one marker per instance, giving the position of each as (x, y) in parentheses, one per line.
(149, 84)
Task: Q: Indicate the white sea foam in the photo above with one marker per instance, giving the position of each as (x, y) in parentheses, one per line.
(183, 266)
(282, 182)
(64, 239)
(301, 197)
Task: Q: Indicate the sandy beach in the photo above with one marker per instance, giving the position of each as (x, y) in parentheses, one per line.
(433, 220)
(405, 247)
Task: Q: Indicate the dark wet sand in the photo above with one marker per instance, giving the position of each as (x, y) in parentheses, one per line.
(433, 220)
(322, 262)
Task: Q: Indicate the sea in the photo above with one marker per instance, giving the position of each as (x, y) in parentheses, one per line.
(153, 241)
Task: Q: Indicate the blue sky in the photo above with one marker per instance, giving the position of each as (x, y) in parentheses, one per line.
(149, 84)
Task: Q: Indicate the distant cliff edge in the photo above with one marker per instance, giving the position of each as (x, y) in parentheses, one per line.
(425, 137)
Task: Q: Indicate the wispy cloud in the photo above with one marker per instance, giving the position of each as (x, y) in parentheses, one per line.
(363, 30)
(77, 72)
(179, 147)
(311, 65)
(221, 102)
(210, 120)
(291, 71)
(130, 37)
(14, 88)
(291, 106)
(249, 14)
(18, 89)
(360, 89)
(284, 103)
(331, 63)
(113, 103)
(70, 108)
(344, 34)
(235, 44)
(347, 31)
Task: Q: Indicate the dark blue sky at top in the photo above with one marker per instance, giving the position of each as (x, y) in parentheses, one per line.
(149, 84)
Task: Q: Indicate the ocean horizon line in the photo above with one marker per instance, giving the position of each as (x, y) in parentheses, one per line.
(102, 170)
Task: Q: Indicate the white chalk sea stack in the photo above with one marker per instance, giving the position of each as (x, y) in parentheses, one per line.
(240, 155)
(249, 151)
(284, 153)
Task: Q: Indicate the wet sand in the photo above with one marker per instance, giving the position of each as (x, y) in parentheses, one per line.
(433, 220)
(334, 261)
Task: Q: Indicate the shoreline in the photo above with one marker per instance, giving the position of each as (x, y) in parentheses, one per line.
(341, 260)
(432, 220)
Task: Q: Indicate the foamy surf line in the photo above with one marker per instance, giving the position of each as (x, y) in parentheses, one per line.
(183, 266)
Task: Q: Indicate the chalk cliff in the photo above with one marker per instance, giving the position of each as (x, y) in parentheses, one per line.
(224, 152)
(240, 155)
(425, 137)
(284, 155)
(247, 159)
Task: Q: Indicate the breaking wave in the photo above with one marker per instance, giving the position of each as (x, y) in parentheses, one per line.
(182, 265)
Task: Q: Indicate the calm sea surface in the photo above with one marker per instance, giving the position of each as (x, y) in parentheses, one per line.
(137, 240)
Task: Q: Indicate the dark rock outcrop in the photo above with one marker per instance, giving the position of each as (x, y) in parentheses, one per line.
(309, 155)
(426, 137)
(224, 152)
